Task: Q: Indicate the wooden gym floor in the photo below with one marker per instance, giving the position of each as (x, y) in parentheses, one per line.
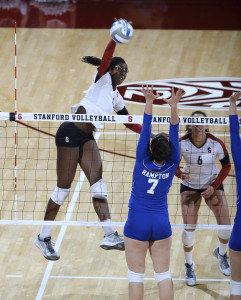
(51, 78)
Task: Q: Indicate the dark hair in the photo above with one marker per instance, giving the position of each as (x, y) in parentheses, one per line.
(196, 112)
(95, 61)
(160, 148)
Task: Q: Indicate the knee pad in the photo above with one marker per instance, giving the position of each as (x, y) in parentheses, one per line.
(235, 287)
(162, 276)
(99, 190)
(188, 238)
(59, 195)
(224, 234)
(135, 277)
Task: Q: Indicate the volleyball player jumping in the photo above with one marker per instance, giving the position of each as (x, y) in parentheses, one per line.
(201, 178)
(148, 225)
(76, 146)
(235, 239)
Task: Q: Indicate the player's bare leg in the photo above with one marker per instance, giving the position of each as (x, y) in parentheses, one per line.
(160, 255)
(91, 163)
(235, 261)
(67, 161)
(135, 258)
(191, 201)
(218, 204)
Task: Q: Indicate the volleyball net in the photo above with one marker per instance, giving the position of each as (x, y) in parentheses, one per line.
(28, 169)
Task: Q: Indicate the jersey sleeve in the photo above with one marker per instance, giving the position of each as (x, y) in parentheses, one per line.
(134, 127)
(143, 148)
(222, 151)
(106, 58)
(235, 140)
(174, 140)
(178, 172)
(226, 165)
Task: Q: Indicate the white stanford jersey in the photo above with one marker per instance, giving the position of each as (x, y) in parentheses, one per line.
(201, 162)
(101, 99)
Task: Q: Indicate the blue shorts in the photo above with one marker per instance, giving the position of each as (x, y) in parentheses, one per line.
(147, 226)
(235, 240)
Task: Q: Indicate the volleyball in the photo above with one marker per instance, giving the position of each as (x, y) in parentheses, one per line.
(121, 31)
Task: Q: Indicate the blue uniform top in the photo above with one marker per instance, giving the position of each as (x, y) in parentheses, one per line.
(151, 183)
(236, 153)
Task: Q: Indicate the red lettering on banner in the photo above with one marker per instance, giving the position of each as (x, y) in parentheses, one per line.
(19, 116)
(130, 118)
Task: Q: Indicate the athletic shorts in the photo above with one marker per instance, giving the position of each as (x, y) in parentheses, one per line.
(147, 226)
(184, 188)
(235, 240)
(69, 135)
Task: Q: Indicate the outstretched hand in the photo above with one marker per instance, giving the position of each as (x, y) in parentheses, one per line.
(150, 97)
(124, 20)
(234, 97)
(148, 93)
(175, 98)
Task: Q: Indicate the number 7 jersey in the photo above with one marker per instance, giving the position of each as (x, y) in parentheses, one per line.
(151, 182)
(200, 162)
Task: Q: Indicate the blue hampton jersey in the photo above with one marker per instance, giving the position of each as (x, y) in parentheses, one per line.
(151, 183)
(236, 154)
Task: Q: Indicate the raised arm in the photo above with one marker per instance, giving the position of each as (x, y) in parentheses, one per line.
(106, 58)
(173, 102)
(150, 97)
(174, 126)
(232, 103)
(234, 130)
(143, 148)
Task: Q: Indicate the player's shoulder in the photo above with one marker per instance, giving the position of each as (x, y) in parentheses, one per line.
(104, 79)
(185, 137)
(214, 138)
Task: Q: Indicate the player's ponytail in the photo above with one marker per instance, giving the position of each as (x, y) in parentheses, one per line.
(92, 60)
(95, 61)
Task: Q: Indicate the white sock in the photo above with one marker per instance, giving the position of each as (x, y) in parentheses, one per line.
(222, 248)
(108, 229)
(45, 232)
(188, 257)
